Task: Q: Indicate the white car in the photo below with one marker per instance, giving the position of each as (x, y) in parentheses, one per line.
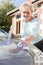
(33, 56)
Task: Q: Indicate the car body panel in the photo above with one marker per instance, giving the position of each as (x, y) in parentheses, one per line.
(22, 57)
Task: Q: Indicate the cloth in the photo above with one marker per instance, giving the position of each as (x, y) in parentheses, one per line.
(22, 45)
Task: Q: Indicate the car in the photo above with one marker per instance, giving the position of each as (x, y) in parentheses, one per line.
(19, 56)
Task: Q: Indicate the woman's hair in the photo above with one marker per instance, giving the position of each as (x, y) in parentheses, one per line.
(27, 4)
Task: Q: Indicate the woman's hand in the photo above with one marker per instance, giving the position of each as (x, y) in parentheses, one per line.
(24, 43)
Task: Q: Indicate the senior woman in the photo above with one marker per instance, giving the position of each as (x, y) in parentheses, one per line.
(29, 26)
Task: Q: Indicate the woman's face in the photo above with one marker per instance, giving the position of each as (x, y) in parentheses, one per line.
(26, 13)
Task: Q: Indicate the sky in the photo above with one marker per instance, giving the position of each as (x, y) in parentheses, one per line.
(14, 2)
(17, 2)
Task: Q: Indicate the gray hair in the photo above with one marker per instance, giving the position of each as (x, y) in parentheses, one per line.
(28, 4)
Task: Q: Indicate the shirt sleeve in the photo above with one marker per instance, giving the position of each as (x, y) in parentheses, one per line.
(35, 29)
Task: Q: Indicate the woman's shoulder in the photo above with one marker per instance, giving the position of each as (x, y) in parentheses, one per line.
(35, 20)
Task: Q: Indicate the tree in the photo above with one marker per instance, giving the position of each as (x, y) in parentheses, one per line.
(5, 21)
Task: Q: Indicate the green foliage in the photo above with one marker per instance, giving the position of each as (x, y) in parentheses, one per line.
(5, 21)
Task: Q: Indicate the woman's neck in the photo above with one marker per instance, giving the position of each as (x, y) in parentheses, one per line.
(30, 19)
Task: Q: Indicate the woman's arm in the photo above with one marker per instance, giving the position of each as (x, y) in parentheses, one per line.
(28, 39)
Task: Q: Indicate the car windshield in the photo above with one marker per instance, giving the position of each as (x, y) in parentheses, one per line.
(2, 33)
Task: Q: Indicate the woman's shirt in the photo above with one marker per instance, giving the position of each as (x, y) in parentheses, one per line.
(30, 28)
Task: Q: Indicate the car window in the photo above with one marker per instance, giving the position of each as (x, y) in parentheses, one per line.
(2, 33)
